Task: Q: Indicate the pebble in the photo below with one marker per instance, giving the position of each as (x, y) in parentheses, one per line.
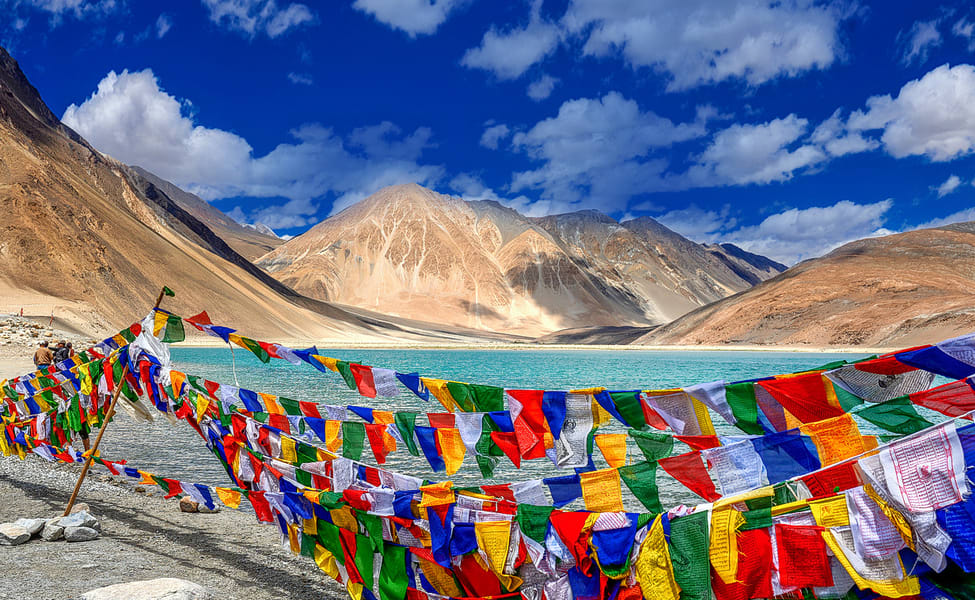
(79, 534)
(12, 534)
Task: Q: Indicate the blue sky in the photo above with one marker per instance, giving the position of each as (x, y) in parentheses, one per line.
(787, 128)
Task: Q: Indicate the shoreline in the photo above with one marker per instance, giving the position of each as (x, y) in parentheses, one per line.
(144, 536)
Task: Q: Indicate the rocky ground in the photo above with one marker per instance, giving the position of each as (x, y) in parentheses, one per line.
(19, 337)
(144, 536)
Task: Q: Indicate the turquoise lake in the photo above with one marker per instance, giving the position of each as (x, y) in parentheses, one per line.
(178, 452)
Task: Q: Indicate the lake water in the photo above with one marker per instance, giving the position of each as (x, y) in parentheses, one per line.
(178, 452)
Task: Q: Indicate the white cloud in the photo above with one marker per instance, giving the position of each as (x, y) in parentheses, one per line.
(596, 153)
(963, 216)
(79, 9)
(950, 185)
(542, 87)
(922, 37)
(163, 24)
(964, 28)
(743, 154)
(415, 17)
(833, 135)
(300, 78)
(701, 42)
(470, 187)
(132, 119)
(509, 53)
(699, 224)
(933, 116)
(797, 234)
(493, 135)
(258, 16)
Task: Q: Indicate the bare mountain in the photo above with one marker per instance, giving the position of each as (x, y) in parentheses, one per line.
(86, 238)
(897, 290)
(250, 241)
(412, 252)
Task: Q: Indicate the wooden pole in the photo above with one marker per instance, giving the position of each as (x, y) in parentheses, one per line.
(101, 430)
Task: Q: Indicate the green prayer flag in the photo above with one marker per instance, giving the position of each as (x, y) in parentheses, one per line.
(363, 559)
(689, 554)
(392, 574)
(654, 445)
(847, 400)
(373, 526)
(741, 399)
(760, 518)
(897, 416)
(168, 292)
(405, 424)
(303, 477)
(307, 545)
(629, 406)
(328, 536)
(174, 330)
(353, 434)
(256, 349)
(487, 398)
(461, 394)
(534, 521)
(641, 478)
(291, 407)
(346, 372)
(306, 453)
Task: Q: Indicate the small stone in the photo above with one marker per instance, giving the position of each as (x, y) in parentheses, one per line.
(12, 534)
(208, 511)
(79, 534)
(33, 526)
(52, 532)
(139, 489)
(166, 588)
(79, 507)
(187, 505)
(80, 519)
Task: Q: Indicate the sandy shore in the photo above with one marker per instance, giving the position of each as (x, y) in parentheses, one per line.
(143, 537)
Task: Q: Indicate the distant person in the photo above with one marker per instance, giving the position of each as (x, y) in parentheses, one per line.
(71, 352)
(61, 352)
(43, 357)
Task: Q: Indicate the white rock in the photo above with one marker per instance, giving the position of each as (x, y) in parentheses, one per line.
(12, 534)
(167, 588)
(52, 532)
(80, 519)
(79, 507)
(79, 534)
(33, 526)
(187, 505)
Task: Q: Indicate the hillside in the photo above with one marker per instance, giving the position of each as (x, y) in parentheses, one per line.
(898, 290)
(91, 241)
(412, 252)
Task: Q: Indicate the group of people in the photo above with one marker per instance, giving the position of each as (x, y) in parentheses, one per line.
(44, 356)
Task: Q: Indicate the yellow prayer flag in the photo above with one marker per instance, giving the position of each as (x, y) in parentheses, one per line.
(229, 497)
(723, 549)
(830, 511)
(601, 490)
(84, 374)
(703, 417)
(310, 526)
(293, 540)
(178, 379)
(452, 448)
(613, 447)
(326, 561)
(159, 323)
(895, 516)
(654, 570)
(271, 403)
(493, 539)
(436, 494)
(343, 518)
(354, 589)
(332, 430)
(288, 453)
(762, 492)
(329, 363)
(438, 387)
(383, 417)
(202, 404)
(836, 439)
(893, 588)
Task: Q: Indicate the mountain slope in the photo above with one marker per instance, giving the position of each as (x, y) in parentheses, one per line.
(86, 238)
(897, 290)
(411, 252)
(249, 242)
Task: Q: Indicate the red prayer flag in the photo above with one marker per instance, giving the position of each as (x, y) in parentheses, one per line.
(499, 491)
(530, 424)
(837, 478)
(441, 420)
(804, 396)
(508, 442)
(754, 576)
(700, 442)
(375, 434)
(363, 379)
(261, 506)
(569, 527)
(802, 556)
(689, 469)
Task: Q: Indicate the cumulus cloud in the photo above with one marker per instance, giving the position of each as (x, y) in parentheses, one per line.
(798, 234)
(542, 87)
(300, 78)
(163, 24)
(933, 116)
(415, 17)
(79, 9)
(950, 185)
(919, 40)
(762, 153)
(698, 42)
(596, 153)
(253, 17)
(509, 53)
(837, 140)
(493, 135)
(471, 187)
(962, 216)
(965, 29)
(699, 224)
(132, 119)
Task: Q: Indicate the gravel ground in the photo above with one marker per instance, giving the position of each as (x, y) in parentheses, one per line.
(144, 536)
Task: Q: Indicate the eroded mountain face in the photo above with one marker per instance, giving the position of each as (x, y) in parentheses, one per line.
(412, 252)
